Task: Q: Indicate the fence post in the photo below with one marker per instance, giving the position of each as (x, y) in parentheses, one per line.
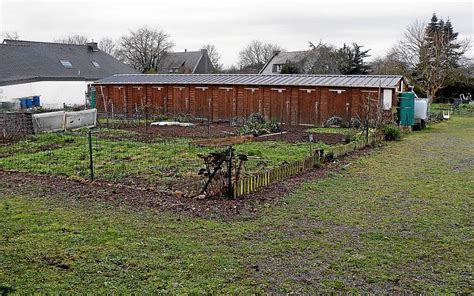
(91, 160)
(230, 190)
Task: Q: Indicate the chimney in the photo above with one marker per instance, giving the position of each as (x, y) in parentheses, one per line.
(276, 52)
(185, 50)
(92, 46)
(204, 51)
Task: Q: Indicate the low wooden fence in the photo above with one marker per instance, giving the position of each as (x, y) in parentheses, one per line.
(251, 183)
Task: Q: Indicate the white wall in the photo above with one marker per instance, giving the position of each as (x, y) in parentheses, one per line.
(54, 94)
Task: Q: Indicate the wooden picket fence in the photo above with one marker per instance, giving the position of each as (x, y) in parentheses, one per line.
(251, 183)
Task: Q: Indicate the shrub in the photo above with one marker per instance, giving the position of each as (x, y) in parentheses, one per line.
(256, 118)
(392, 132)
(356, 123)
(333, 121)
(256, 125)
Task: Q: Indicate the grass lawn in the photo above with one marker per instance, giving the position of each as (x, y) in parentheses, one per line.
(332, 130)
(399, 220)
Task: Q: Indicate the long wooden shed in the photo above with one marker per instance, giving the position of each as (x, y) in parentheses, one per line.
(292, 99)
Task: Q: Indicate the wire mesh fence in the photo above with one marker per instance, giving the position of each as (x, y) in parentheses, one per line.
(127, 150)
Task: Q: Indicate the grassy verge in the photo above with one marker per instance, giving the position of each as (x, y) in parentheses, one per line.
(397, 221)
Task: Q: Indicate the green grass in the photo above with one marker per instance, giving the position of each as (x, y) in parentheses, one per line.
(396, 221)
(119, 157)
(332, 130)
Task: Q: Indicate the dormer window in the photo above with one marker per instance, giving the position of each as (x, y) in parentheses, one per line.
(95, 64)
(66, 63)
(277, 68)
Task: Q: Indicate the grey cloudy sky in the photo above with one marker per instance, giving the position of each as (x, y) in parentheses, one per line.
(231, 24)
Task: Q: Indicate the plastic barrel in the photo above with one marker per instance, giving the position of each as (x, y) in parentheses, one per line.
(23, 103)
(28, 103)
(36, 101)
(407, 108)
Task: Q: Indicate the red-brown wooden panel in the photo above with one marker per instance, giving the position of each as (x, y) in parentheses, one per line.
(156, 99)
(339, 103)
(280, 104)
(201, 102)
(251, 102)
(137, 99)
(309, 106)
(180, 98)
(102, 98)
(117, 99)
(224, 105)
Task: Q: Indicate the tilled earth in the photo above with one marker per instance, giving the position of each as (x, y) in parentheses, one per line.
(291, 134)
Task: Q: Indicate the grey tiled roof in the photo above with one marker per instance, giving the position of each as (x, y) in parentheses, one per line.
(23, 61)
(385, 81)
(282, 58)
(176, 60)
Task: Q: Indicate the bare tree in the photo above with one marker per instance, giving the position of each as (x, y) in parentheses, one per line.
(256, 54)
(320, 59)
(74, 39)
(144, 48)
(408, 48)
(11, 35)
(389, 65)
(215, 57)
(108, 45)
(430, 54)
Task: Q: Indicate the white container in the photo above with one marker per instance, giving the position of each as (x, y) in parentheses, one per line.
(421, 109)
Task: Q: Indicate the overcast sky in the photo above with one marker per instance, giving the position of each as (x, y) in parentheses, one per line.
(232, 24)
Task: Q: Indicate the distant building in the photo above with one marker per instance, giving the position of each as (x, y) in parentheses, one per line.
(280, 58)
(187, 62)
(58, 73)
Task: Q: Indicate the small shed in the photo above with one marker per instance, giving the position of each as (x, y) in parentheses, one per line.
(292, 99)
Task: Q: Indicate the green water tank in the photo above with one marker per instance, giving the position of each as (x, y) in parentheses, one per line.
(92, 97)
(406, 113)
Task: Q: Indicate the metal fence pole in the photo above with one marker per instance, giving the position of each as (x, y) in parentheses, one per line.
(230, 192)
(91, 161)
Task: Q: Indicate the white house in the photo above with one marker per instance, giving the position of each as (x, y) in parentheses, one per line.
(58, 73)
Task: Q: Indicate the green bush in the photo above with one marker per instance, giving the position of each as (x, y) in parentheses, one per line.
(256, 125)
(392, 132)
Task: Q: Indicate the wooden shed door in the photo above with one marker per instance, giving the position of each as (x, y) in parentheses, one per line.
(224, 104)
(118, 99)
(181, 99)
(137, 100)
(339, 103)
(102, 98)
(309, 106)
(251, 101)
(202, 100)
(280, 105)
(157, 99)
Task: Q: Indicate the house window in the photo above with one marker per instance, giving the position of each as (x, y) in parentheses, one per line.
(277, 68)
(95, 64)
(66, 63)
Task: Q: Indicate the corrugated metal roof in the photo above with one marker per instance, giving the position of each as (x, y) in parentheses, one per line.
(385, 81)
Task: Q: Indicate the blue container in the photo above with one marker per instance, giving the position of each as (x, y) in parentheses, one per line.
(28, 103)
(23, 103)
(36, 101)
